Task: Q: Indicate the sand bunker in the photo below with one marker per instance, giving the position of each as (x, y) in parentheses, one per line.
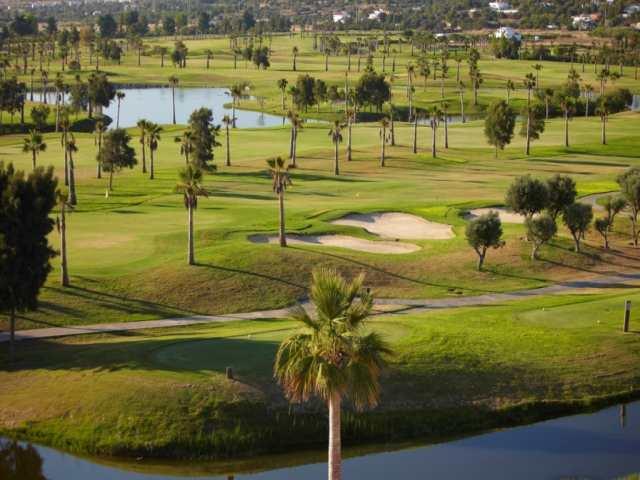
(342, 241)
(397, 225)
(506, 216)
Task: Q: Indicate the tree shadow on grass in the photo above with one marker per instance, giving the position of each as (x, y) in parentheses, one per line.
(253, 274)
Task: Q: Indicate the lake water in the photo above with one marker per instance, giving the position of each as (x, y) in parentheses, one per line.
(155, 104)
(601, 445)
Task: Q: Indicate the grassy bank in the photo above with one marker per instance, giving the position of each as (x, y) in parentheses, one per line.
(164, 393)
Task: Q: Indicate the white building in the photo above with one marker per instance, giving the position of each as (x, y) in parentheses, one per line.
(508, 33)
(376, 14)
(340, 17)
(499, 6)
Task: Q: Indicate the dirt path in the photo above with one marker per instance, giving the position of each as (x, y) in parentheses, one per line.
(384, 306)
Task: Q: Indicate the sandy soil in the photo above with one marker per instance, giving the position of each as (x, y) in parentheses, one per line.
(398, 225)
(342, 241)
(506, 216)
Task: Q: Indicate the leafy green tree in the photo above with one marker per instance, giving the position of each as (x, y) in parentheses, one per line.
(203, 138)
(25, 223)
(499, 125)
(116, 153)
(527, 196)
(39, 116)
(372, 89)
(34, 144)
(603, 227)
(281, 180)
(577, 217)
(540, 230)
(107, 26)
(629, 182)
(613, 205)
(169, 25)
(483, 233)
(335, 357)
(100, 92)
(562, 193)
(260, 57)
(191, 188)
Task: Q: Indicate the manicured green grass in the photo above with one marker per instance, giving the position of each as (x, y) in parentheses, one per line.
(127, 252)
(164, 392)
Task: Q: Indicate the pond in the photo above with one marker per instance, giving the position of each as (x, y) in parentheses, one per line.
(155, 104)
(601, 445)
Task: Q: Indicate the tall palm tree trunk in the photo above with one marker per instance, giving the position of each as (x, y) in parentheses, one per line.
(281, 231)
(603, 133)
(446, 131)
(433, 141)
(99, 163)
(118, 115)
(462, 107)
(66, 158)
(295, 147)
(336, 160)
(349, 140)
(335, 444)
(190, 250)
(151, 165)
(144, 159)
(415, 134)
(173, 103)
(228, 148)
(73, 199)
(527, 149)
(33, 158)
(566, 129)
(383, 142)
(64, 272)
(111, 179)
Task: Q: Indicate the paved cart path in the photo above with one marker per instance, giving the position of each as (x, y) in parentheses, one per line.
(386, 306)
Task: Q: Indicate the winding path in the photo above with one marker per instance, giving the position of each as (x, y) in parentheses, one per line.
(386, 306)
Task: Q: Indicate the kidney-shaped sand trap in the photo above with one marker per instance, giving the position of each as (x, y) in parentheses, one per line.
(506, 216)
(342, 241)
(397, 225)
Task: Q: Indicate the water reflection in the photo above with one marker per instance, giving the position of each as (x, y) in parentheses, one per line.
(155, 104)
(601, 445)
(19, 461)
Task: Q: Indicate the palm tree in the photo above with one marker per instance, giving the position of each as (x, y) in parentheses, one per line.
(143, 126)
(384, 125)
(435, 115)
(333, 358)
(296, 124)
(209, 54)
(588, 93)
(60, 88)
(336, 137)
(186, 144)
(99, 129)
(119, 97)
(461, 95)
(294, 52)
(190, 186)
(153, 137)
(415, 133)
(227, 121)
(62, 199)
(35, 144)
(281, 180)
(445, 107)
(237, 91)
(410, 89)
(350, 115)
(173, 81)
(566, 104)
(603, 110)
(71, 147)
(65, 124)
(537, 67)
(529, 83)
(511, 87)
(282, 85)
